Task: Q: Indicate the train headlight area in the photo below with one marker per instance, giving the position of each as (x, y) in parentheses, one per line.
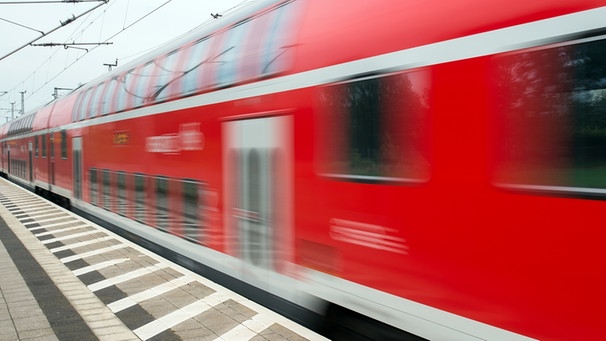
(65, 278)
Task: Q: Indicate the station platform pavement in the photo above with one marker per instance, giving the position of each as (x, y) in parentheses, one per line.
(64, 278)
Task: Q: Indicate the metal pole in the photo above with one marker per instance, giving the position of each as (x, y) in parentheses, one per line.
(56, 92)
(23, 101)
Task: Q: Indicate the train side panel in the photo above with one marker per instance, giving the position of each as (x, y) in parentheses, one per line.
(441, 179)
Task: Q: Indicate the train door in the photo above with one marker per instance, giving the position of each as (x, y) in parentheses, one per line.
(30, 151)
(8, 158)
(51, 158)
(77, 171)
(258, 156)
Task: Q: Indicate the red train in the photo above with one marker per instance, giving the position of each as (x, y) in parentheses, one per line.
(430, 169)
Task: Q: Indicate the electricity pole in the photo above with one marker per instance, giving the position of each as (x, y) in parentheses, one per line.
(23, 101)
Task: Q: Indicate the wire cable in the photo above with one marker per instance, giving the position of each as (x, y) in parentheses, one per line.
(44, 34)
(46, 2)
(86, 53)
(16, 23)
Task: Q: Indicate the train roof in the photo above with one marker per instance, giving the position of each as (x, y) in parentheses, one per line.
(3, 129)
(307, 35)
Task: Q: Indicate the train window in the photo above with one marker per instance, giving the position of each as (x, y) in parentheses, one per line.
(140, 206)
(94, 186)
(75, 110)
(84, 104)
(121, 200)
(550, 122)
(276, 50)
(136, 83)
(165, 73)
(254, 47)
(230, 51)
(101, 98)
(150, 84)
(93, 104)
(162, 209)
(171, 71)
(129, 83)
(108, 96)
(199, 65)
(145, 87)
(51, 144)
(36, 146)
(191, 203)
(100, 94)
(121, 95)
(107, 189)
(63, 144)
(43, 138)
(375, 128)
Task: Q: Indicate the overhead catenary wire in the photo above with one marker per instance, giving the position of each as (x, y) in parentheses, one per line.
(32, 75)
(95, 47)
(34, 89)
(45, 2)
(21, 25)
(47, 62)
(63, 23)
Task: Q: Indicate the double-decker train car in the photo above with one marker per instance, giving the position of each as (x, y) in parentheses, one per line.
(405, 169)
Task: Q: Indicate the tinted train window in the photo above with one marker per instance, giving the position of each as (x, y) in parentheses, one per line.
(51, 152)
(255, 47)
(108, 96)
(375, 128)
(277, 48)
(121, 95)
(84, 104)
(94, 187)
(550, 124)
(107, 189)
(136, 85)
(63, 144)
(121, 200)
(93, 105)
(143, 91)
(191, 202)
(43, 138)
(199, 65)
(230, 52)
(140, 206)
(169, 71)
(162, 209)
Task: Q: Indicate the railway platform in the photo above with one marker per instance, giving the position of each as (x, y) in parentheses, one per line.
(65, 278)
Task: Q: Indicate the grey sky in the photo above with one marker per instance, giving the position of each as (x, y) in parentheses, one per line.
(38, 70)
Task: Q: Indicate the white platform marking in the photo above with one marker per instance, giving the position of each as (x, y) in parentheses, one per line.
(163, 288)
(99, 266)
(93, 253)
(181, 315)
(80, 244)
(125, 277)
